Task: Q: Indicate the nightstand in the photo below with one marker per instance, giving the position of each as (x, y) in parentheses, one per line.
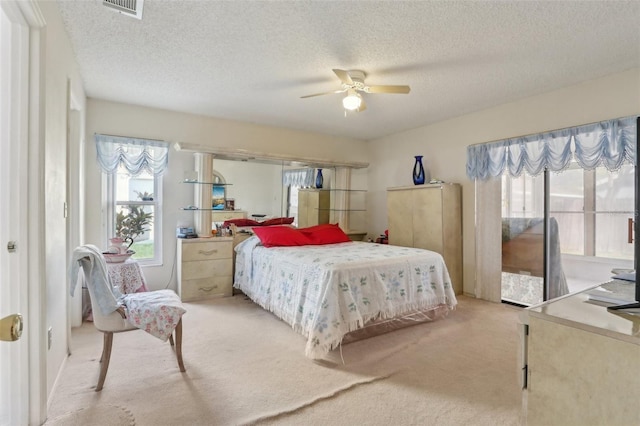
(205, 268)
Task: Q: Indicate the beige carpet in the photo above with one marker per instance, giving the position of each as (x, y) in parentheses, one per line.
(244, 366)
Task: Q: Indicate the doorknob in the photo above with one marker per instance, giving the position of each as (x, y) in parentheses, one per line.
(11, 328)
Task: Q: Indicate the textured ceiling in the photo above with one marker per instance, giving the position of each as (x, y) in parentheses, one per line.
(252, 61)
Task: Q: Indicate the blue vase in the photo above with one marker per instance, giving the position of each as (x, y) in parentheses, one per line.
(418, 171)
(319, 179)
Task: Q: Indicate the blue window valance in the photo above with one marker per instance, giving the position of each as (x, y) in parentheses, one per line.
(607, 143)
(136, 155)
(298, 177)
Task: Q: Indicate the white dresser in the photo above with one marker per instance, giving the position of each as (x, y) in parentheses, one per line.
(429, 217)
(205, 268)
(313, 207)
(579, 364)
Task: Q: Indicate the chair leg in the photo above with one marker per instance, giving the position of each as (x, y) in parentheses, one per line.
(171, 339)
(104, 360)
(179, 345)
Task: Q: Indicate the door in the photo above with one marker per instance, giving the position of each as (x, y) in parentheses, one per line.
(14, 355)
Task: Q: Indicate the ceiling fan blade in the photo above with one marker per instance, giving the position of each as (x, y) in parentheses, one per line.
(343, 76)
(387, 89)
(323, 93)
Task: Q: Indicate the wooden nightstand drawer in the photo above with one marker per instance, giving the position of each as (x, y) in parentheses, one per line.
(204, 288)
(206, 268)
(207, 250)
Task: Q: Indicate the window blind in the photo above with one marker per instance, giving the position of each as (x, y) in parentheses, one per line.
(136, 155)
(608, 143)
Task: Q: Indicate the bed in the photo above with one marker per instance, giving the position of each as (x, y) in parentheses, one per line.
(330, 292)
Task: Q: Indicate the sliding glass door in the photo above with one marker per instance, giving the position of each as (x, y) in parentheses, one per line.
(594, 210)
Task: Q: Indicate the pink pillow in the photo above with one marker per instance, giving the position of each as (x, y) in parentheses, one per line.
(278, 221)
(325, 234)
(280, 236)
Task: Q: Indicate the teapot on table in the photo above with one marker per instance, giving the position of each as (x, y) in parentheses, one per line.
(119, 245)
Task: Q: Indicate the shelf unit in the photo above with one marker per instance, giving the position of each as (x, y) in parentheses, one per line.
(217, 215)
(197, 182)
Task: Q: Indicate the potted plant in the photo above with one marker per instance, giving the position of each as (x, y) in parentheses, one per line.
(145, 196)
(133, 224)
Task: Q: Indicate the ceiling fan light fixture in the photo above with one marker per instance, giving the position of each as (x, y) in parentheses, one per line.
(352, 101)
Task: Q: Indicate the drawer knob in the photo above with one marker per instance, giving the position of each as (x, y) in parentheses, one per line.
(208, 289)
(208, 252)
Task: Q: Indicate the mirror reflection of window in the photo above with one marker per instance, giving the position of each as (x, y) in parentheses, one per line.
(292, 205)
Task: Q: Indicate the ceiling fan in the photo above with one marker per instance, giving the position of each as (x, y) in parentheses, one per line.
(352, 83)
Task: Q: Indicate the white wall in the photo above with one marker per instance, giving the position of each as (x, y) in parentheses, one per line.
(444, 144)
(61, 78)
(130, 120)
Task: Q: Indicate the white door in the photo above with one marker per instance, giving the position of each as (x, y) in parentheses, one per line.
(14, 355)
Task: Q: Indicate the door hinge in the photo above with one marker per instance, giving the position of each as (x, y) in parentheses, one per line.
(11, 246)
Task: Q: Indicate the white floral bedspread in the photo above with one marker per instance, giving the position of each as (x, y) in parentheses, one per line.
(156, 312)
(325, 291)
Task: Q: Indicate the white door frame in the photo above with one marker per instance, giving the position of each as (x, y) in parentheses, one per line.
(36, 211)
(14, 371)
(27, 109)
(75, 198)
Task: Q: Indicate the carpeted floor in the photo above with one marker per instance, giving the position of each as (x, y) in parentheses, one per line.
(244, 366)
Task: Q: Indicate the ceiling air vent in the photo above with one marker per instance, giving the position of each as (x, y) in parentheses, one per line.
(131, 8)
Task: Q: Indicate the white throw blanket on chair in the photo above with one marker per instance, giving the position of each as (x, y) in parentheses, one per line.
(108, 297)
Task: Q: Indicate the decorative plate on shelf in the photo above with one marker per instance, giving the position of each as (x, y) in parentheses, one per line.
(118, 257)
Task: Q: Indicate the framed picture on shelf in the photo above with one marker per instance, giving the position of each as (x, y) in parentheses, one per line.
(217, 200)
(230, 204)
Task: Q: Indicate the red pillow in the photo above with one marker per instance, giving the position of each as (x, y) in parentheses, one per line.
(280, 236)
(325, 234)
(241, 222)
(278, 221)
(317, 228)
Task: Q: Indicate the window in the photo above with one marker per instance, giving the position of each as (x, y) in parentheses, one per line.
(134, 206)
(522, 196)
(293, 180)
(292, 203)
(133, 168)
(593, 208)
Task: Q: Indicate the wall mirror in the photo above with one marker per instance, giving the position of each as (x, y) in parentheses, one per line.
(254, 184)
(257, 191)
